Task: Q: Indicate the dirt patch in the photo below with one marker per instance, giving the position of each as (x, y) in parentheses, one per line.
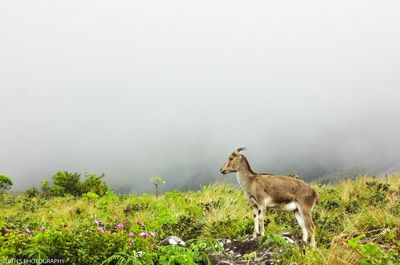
(241, 252)
(248, 251)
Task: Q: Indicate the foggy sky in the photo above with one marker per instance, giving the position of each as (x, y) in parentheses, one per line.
(142, 88)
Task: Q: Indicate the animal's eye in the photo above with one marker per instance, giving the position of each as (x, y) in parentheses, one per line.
(230, 158)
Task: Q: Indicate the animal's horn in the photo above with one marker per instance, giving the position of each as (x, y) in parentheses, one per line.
(240, 149)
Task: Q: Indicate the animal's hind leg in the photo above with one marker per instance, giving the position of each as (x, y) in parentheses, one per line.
(304, 218)
(302, 224)
(310, 227)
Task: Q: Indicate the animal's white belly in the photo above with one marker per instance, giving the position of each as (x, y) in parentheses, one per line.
(291, 206)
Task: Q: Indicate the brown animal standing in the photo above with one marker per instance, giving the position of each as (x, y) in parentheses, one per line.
(276, 192)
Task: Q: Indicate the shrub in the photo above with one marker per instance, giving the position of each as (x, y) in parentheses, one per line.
(353, 207)
(5, 183)
(371, 253)
(70, 182)
(51, 191)
(180, 256)
(32, 192)
(90, 196)
(187, 227)
(132, 208)
(94, 184)
(331, 204)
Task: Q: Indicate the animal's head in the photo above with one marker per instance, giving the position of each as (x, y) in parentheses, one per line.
(234, 162)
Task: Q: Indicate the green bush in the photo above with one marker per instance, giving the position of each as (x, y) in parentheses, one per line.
(94, 184)
(52, 191)
(186, 227)
(175, 255)
(5, 183)
(70, 183)
(372, 253)
(31, 192)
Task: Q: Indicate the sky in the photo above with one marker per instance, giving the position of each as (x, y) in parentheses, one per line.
(135, 89)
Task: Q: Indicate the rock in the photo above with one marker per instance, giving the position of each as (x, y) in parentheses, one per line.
(173, 241)
(4, 231)
(288, 239)
(223, 262)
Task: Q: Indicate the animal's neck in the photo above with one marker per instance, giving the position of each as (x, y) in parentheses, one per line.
(243, 176)
(244, 173)
(245, 166)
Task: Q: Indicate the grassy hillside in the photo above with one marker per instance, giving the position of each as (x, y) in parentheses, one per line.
(357, 222)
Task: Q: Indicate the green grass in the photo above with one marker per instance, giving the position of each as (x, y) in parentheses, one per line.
(356, 221)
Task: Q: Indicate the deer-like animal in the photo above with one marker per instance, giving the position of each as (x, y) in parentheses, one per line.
(268, 191)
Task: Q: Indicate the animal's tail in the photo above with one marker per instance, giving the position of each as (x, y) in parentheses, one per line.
(316, 196)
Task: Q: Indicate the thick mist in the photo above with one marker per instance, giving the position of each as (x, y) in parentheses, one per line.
(142, 88)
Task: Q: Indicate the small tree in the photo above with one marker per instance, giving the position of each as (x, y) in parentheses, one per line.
(45, 188)
(51, 191)
(70, 182)
(94, 184)
(157, 180)
(31, 192)
(5, 183)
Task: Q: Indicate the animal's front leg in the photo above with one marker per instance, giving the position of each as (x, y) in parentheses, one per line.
(256, 222)
(261, 217)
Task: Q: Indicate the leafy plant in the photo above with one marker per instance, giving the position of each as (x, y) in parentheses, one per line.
(31, 192)
(371, 252)
(175, 255)
(205, 244)
(353, 207)
(186, 227)
(273, 240)
(5, 183)
(331, 204)
(37, 252)
(51, 191)
(135, 207)
(123, 258)
(250, 256)
(70, 182)
(94, 184)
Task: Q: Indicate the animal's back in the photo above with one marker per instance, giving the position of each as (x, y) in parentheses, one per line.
(284, 188)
